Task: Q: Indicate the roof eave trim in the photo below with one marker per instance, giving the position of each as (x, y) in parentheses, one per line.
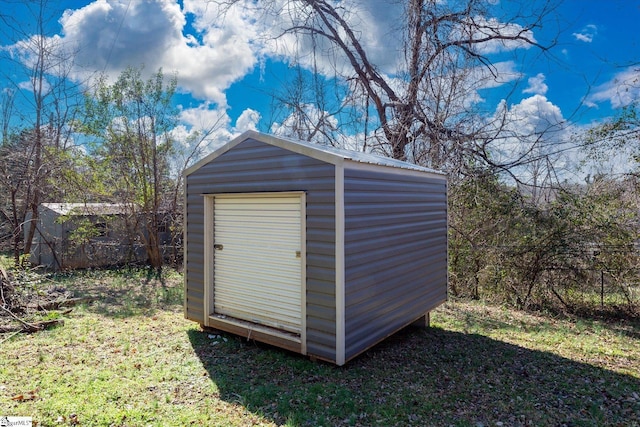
(267, 139)
(357, 165)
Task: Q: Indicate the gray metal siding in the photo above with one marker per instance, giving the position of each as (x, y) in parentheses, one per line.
(250, 167)
(395, 253)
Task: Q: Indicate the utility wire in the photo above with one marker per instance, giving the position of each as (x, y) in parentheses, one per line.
(115, 39)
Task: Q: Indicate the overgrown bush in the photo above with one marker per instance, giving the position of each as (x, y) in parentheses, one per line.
(573, 249)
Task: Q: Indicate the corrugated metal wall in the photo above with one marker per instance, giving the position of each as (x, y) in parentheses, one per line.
(52, 244)
(251, 167)
(395, 252)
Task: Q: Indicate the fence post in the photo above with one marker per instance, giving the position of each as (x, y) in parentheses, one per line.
(602, 290)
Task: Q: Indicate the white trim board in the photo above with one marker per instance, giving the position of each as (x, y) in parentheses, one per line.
(340, 274)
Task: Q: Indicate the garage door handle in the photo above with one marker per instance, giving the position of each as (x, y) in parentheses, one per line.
(217, 247)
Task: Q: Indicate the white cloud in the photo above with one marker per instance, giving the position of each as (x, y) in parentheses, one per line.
(204, 122)
(515, 35)
(620, 91)
(587, 34)
(32, 52)
(204, 116)
(587, 38)
(534, 134)
(248, 120)
(375, 24)
(471, 81)
(212, 125)
(503, 73)
(110, 35)
(537, 86)
(526, 121)
(203, 131)
(32, 85)
(308, 122)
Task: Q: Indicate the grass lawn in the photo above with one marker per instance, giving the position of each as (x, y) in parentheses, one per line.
(130, 359)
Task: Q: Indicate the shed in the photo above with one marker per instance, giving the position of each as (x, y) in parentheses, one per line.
(318, 250)
(81, 235)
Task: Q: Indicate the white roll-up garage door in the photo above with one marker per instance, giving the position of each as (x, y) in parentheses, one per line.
(258, 245)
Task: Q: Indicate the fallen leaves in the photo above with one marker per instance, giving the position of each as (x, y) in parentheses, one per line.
(71, 420)
(30, 395)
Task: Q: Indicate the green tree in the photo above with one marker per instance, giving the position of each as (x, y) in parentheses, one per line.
(131, 121)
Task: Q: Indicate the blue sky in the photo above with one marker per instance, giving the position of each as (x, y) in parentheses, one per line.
(227, 71)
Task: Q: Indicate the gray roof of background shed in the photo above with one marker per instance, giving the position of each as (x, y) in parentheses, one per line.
(321, 152)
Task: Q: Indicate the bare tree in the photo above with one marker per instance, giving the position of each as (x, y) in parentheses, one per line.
(18, 180)
(6, 108)
(41, 89)
(423, 109)
(308, 108)
(185, 153)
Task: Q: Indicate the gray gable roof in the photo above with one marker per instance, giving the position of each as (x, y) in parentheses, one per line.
(325, 153)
